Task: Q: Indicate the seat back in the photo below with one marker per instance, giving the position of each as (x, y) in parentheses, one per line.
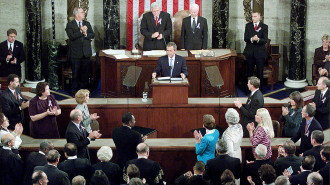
(277, 129)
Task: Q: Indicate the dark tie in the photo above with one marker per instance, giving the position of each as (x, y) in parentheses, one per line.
(156, 20)
(79, 24)
(81, 128)
(194, 25)
(15, 94)
(10, 49)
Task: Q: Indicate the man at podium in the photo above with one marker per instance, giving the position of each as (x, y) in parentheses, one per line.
(171, 65)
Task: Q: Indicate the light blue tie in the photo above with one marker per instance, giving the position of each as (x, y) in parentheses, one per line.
(171, 64)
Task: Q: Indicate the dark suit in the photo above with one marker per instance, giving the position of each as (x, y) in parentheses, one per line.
(315, 151)
(249, 110)
(322, 113)
(194, 180)
(163, 68)
(215, 167)
(251, 169)
(126, 141)
(194, 40)
(11, 170)
(325, 173)
(305, 142)
(33, 160)
(18, 53)
(112, 170)
(54, 175)
(319, 56)
(150, 170)
(74, 135)
(79, 166)
(255, 52)
(300, 179)
(148, 27)
(285, 162)
(11, 106)
(79, 53)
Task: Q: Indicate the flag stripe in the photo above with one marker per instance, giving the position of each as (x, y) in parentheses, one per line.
(129, 23)
(141, 7)
(164, 5)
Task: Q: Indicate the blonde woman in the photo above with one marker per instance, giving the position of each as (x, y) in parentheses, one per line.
(263, 133)
(82, 97)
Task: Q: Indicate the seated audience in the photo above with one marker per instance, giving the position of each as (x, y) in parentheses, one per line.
(74, 166)
(307, 126)
(112, 170)
(12, 102)
(325, 155)
(287, 159)
(263, 133)
(78, 180)
(132, 171)
(267, 174)
(82, 97)
(227, 176)
(43, 110)
(39, 178)
(215, 167)
(306, 168)
(150, 170)
(205, 145)
(282, 180)
(195, 178)
(36, 159)
(135, 181)
(317, 139)
(55, 176)
(314, 178)
(233, 134)
(321, 102)
(322, 54)
(291, 115)
(11, 165)
(4, 123)
(99, 178)
(251, 168)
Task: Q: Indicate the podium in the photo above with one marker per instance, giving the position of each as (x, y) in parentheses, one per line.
(170, 92)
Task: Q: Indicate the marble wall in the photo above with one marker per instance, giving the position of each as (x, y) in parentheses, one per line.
(277, 16)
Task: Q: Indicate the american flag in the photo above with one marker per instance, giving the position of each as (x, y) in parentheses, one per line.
(136, 7)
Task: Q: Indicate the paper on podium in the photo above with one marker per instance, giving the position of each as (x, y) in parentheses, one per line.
(154, 53)
(168, 78)
(182, 53)
(120, 56)
(196, 52)
(114, 51)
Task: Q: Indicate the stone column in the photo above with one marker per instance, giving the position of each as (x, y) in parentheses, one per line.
(297, 63)
(220, 23)
(258, 6)
(34, 39)
(111, 24)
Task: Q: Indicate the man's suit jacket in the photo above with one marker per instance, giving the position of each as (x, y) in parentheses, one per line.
(80, 46)
(163, 68)
(54, 175)
(33, 160)
(194, 40)
(79, 166)
(126, 141)
(150, 170)
(300, 179)
(305, 142)
(194, 180)
(315, 151)
(11, 170)
(148, 27)
(249, 110)
(11, 106)
(215, 167)
(112, 170)
(325, 173)
(285, 162)
(322, 113)
(74, 135)
(256, 49)
(251, 169)
(18, 53)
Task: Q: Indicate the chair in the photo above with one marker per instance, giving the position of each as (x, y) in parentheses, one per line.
(277, 128)
(315, 74)
(95, 125)
(271, 66)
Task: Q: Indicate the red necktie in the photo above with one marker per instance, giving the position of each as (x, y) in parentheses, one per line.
(255, 27)
(156, 20)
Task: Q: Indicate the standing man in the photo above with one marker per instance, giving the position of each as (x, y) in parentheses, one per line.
(171, 64)
(11, 55)
(254, 102)
(255, 36)
(12, 102)
(194, 30)
(80, 33)
(156, 27)
(321, 102)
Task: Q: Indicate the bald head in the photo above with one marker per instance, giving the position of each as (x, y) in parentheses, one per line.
(8, 140)
(75, 115)
(194, 9)
(142, 149)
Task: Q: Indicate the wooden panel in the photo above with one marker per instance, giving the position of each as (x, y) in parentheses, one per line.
(194, 71)
(169, 93)
(147, 68)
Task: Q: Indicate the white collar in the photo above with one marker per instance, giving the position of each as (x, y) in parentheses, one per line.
(12, 91)
(52, 165)
(256, 23)
(169, 59)
(72, 157)
(79, 22)
(254, 91)
(10, 43)
(127, 126)
(142, 157)
(196, 18)
(40, 152)
(209, 131)
(323, 92)
(6, 148)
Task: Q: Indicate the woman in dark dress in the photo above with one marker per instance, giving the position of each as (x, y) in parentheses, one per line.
(322, 54)
(43, 110)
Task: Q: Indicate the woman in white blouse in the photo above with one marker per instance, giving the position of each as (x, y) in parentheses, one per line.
(4, 123)
(233, 134)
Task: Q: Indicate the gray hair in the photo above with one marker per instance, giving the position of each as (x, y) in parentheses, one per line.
(6, 139)
(52, 156)
(194, 6)
(74, 114)
(154, 5)
(45, 145)
(221, 146)
(78, 180)
(172, 44)
(75, 11)
(315, 178)
(261, 151)
(232, 116)
(282, 180)
(104, 154)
